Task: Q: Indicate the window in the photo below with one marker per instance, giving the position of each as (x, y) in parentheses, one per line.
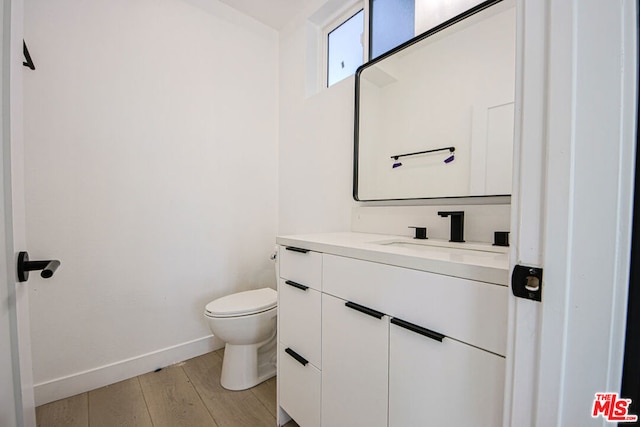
(345, 52)
(392, 23)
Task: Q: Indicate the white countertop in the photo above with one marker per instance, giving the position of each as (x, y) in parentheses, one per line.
(475, 261)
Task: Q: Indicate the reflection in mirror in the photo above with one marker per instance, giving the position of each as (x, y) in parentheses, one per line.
(393, 22)
(434, 118)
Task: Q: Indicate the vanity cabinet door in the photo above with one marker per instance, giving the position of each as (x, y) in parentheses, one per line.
(448, 383)
(355, 350)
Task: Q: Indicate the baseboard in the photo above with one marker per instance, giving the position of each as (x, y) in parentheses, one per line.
(92, 379)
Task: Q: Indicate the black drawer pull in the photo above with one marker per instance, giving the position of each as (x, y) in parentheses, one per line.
(296, 356)
(294, 249)
(296, 285)
(418, 329)
(366, 310)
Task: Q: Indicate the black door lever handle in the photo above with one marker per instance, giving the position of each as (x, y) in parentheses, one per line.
(48, 267)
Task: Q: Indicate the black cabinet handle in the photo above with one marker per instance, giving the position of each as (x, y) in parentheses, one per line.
(418, 329)
(296, 356)
(366, 310)
(296, 285)
(294, 249)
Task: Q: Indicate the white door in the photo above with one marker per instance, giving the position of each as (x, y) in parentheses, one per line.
(17, 406)
(571, 206)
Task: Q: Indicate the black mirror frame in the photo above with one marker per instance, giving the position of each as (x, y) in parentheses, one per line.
(464, 15)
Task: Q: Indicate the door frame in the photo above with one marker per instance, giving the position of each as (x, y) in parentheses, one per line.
(9, 368)
(631, 368)
(13, 215)
(526, 208)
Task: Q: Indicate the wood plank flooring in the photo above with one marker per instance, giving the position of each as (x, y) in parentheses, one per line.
(187, 394)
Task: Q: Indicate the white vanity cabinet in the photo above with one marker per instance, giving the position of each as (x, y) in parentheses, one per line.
(388, 345)
(434, 378)
(299, 334)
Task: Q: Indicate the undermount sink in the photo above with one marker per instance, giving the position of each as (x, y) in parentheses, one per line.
(433, 245)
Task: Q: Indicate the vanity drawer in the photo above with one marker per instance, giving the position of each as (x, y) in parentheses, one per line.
(301, 266)
(299, 389)
(470, 311)
(299, 314)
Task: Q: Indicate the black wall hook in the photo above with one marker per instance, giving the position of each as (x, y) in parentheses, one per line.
(48, 267)
(28, 62)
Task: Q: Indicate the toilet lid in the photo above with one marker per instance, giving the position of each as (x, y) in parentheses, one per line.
(243, 303)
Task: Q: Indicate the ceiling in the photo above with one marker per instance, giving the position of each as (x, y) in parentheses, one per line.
(274, 13)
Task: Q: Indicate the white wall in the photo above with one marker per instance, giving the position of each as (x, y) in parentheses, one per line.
(316, 140)
(151, 173)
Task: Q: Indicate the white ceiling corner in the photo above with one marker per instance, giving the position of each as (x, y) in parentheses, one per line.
(274, 13)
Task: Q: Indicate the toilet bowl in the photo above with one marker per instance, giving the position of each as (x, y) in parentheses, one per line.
(246, 321)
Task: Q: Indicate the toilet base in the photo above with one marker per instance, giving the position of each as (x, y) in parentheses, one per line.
(245, 366)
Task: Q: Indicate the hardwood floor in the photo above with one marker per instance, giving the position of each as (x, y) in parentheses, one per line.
(187, 394)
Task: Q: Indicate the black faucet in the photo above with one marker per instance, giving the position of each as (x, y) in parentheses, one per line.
(457, 224)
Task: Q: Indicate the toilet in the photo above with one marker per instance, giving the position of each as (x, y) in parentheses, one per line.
(246, 321)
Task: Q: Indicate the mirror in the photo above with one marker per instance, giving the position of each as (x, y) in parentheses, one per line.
(435, 117)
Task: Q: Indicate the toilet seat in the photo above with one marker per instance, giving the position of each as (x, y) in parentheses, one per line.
(243, 303)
